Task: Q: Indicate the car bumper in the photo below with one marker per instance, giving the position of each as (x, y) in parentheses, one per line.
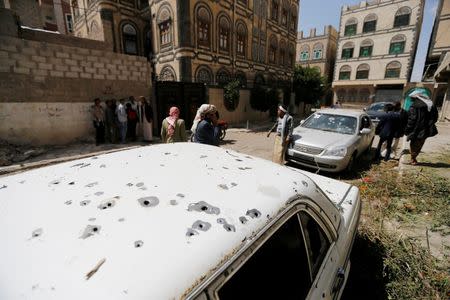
(325, 163)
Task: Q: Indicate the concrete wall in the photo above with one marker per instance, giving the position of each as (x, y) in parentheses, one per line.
(46, 88)
(242, 113)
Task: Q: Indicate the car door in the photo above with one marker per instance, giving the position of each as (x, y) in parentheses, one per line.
(294, 259)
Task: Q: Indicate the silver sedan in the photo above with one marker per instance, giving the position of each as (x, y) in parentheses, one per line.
(331, 139)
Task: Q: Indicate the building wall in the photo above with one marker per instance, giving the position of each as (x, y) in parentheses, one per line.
(329, 43)
(385, 10)
(47, 87)
(440, 41)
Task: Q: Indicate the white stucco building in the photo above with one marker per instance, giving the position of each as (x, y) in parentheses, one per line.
(376, 49)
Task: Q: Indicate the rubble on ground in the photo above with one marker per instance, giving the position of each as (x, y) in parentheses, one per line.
(11, 154)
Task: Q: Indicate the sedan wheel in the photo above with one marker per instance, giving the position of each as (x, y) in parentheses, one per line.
(351, 163)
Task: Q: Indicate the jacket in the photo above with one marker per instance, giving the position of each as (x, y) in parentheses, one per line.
(421, 121)
(206, 133)
(389, 125)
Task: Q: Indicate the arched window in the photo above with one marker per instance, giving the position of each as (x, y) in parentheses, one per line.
(129, 37)
(224, 33)
(304, 53)
(362, 72)
(282, 61)
(291, 57)
(222, 77)
(350, 27)
(317, 51)
(203, 27)
(274, 10)
(393, 70)
(365, 50)
(293, 18)
(240, 76)
(402, 17)
(345, 72)
(204, 75)
(285, 13)
(397, 45)
(167, 74)
(370, 23)
(273, 47)
(347, 50)
(164, 21)
(241, 39)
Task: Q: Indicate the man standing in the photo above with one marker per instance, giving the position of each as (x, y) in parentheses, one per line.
(98, 117)
(207, 131)
(122, 120)
(284, 127)
(422, 117)
(386, 129)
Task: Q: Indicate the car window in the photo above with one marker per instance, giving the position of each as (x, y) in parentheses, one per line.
(278, 269)
(377, 107)
(317, 243)
(333, 123)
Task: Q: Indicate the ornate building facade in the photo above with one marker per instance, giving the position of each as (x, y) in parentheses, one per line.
(198, 41)
(376, 49)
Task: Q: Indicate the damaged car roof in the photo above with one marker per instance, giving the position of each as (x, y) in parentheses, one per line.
(146, 223)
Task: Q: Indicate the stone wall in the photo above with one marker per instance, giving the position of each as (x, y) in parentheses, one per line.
(47, 86)
(244, 112)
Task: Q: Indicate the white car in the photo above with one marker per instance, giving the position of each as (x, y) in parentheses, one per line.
(174, 221)
(331, 139)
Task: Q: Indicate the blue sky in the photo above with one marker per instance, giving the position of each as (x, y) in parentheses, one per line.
(318, 13)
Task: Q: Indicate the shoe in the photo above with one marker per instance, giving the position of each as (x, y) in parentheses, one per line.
(413, 162)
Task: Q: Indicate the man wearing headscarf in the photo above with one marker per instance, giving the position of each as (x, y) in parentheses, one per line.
(206, 130)
(284, 127)
(422, 117)
(173, 128)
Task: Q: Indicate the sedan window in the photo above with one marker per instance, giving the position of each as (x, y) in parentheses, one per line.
(278, 270)
(377, 107)
(333, 123)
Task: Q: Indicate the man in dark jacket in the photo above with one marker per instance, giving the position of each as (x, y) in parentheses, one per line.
(207, 131)
(386, 129)
(422, 117)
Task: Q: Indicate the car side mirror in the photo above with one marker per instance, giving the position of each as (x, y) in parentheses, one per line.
(365, 131)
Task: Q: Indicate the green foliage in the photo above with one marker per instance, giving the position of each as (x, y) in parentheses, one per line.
(309, 86)
(263, 98)
(231, 94)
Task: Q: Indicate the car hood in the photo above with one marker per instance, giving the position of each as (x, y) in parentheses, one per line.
(319, 138)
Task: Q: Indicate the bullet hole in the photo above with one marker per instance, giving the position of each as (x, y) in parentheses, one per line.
(68, 202)
(223, 186)
(202, 206)
(90, 230)
(98, 193)
(234, 184)
(138, 244)
(129, 184)
(294, 182)
(238, 159)
(268, 216)
(200, 225)
(91, 219)
(305, 184)
(221, 221)
(253, 213)
(85, 165)
(149, 201)
(167, 153)
(21, 182)
(225, 168)
(36, 233)
(249, 157)
(203, 156)
(180, 195)
(108, 203)
(95, 157)
(243, 220)
(102, 166)
(191, 232)
(72, 183)
(92, 184)
(244, 168)
(77, 165)
(229, 227)
(54, 182)
(85, 202)
(121, 220)
(162, 165)
(173, 202)
(143, 188)
(140, 184)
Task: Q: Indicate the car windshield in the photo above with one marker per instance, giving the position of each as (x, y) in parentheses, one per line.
(377, 107)
(333, 123)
